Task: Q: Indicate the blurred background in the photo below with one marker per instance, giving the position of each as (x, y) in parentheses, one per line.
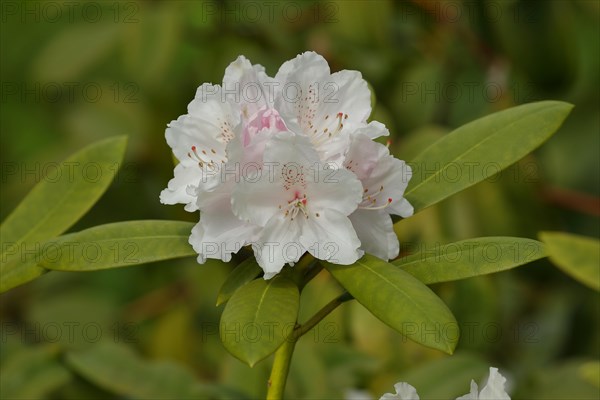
(76, 72)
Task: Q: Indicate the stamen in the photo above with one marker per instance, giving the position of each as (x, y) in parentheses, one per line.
(296, 205)
(327, 133)
(370, 200)
(389, 201)
(197, 157)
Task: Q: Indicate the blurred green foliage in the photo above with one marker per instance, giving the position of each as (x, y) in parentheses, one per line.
(73, 74)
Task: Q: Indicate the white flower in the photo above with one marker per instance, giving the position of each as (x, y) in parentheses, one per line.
(300, 204)
(384, 179)
(403, 392)
(493, 390)
(326, 107)
(287, 165)
(199, 138)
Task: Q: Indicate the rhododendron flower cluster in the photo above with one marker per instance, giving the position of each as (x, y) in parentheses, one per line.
(287, 165)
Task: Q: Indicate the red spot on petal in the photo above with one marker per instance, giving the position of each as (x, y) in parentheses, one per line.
(193, 148)
(390, 200)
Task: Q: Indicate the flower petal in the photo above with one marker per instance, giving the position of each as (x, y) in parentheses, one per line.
(243, 86)
(494, 388)
(277, 245)
(258, 196)
(177, 189)
(330, 237)
(325, 107)
(220, 234)
(376, 233)
(406, 391)
(336, 189)
(472, 395)
(373, 130)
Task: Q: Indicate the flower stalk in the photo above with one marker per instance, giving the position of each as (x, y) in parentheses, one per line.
(281, 368)
(283, 355)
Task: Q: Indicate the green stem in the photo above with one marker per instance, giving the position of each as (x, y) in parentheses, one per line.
(322, 313)
(283, 355)
(281, 368)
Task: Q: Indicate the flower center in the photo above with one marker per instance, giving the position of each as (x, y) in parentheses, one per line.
(296, 205)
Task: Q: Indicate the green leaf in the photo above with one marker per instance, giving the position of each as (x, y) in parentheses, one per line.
(66, 194)
(33, 373)
(481, 148)
(399, 300)
(116, 368)
(54, 205)
(259, 317)
(15, 271)
(246, 271)
(472, 257)
(577, 256)
(119, 244)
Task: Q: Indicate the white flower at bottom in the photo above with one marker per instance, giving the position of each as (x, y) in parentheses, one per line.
(404, 391)
(493, 390)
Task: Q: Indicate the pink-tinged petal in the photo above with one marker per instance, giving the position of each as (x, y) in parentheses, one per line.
(363, 155)
(331, 237)
(286, 147)
(376, 233)
(278, 245)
